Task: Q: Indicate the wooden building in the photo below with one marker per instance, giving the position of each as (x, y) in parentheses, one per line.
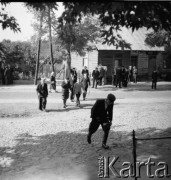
(142, 56)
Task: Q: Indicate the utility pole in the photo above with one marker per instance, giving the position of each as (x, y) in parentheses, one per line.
(38, 50)
(50, 38)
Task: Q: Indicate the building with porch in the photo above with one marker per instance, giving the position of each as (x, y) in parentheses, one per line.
(145, 58)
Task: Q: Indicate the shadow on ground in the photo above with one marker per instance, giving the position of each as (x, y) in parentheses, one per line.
(67, 155)
(70, 108)
(137, 87)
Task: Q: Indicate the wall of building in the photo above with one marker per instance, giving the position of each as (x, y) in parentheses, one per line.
(92, 60)
(145, 60)
(142, 63)
(76, 61)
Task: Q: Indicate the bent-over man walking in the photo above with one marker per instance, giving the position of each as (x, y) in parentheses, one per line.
(102, 114)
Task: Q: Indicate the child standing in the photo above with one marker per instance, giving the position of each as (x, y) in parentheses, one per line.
(65, 91)
(77, 92)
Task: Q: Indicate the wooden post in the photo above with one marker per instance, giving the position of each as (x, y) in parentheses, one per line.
(134, 153)
(50, 38)
(38, 50)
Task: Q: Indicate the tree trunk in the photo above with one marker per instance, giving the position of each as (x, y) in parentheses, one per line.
(50, 39)
(68, 65)
(38, 50)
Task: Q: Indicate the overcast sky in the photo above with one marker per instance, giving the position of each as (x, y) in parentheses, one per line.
(24, 19)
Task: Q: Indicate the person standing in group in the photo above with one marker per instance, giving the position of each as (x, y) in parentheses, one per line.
(135, 74)
(65, 91)
(95, 76)
(52, 82)
(101, 114)
(77, 92)
(74, 73)
(101, 75)
(7, 75)
(118, 77)
(73, 80)
(85, 82)
(123, 76)
(2, 71)
(130, 73)
(42, 92)
(10, 74)
(114, 76)
(126, 77)
(154, 79)
(85, 71)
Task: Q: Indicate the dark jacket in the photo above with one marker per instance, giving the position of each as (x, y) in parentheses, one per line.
(65, 89)
(42, 90)
(85, 72)
(95, 74)
(2, 71)
(102, 72)
(73, 81)
(74, 73)
(98, 110)
(154, 76)
(7, 72)
(118, 73)
(52, 78)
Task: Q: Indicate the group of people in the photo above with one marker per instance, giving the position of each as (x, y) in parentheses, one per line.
(6, 73)
(97, 76)
(101, 112)
(121, 76)
(71, 86)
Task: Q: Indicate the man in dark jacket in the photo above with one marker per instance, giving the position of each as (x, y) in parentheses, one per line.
(102, 114)
(95, 75)
(2, 71)
(154, 79)
(42, 92)
(65, 90)
(118, 76)
(85, 82)
(85, 71)
(7, 74)
(101, 76)
(72, 81)
(74, 73)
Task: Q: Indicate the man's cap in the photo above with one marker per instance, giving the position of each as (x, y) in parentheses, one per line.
(111, 97)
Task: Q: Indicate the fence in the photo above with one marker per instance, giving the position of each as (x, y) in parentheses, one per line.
(134, 142)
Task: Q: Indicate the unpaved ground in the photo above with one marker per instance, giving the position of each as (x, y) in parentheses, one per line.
(36, 145)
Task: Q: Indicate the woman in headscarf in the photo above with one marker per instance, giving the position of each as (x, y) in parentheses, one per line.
(52, 82)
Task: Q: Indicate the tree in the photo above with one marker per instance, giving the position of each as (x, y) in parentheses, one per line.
(7, 21)
(136, 14)
(20, 54)
(39, 45)
(76, 38)
(161, 38)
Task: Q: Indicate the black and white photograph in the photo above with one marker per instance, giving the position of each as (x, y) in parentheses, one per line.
(85, 90)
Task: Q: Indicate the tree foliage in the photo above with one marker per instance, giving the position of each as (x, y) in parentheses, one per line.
(134, 15)
(160, 38)
(7, 21)
(19, 53)
(78, 37)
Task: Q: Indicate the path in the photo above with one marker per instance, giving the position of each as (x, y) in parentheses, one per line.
(51, 146)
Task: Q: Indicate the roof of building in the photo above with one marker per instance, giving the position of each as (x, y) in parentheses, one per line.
(136, 39)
